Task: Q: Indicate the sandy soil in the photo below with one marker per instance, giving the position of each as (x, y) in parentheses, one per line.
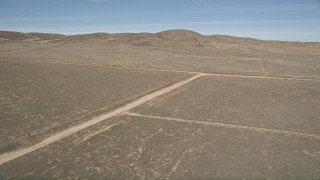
(169, 105)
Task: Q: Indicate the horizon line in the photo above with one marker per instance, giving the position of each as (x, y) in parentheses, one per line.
(139, 32)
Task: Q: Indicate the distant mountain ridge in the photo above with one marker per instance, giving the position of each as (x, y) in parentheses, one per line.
(176, 39)
(175, 34)
(172, 49)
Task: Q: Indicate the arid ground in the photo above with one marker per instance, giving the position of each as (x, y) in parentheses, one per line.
(168, 105)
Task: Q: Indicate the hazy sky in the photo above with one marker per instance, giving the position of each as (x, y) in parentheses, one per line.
(264, 19)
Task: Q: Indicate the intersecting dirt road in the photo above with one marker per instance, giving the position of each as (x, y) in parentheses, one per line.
(116, 115)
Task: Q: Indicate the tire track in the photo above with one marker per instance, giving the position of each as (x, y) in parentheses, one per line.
(15, 154)
(265, 76)
(232, 126)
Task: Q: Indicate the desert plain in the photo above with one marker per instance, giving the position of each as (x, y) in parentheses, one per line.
(169, 105)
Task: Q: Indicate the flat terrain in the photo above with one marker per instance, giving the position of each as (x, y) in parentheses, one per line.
(38, 99)
(170, 105)
(268, 103)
